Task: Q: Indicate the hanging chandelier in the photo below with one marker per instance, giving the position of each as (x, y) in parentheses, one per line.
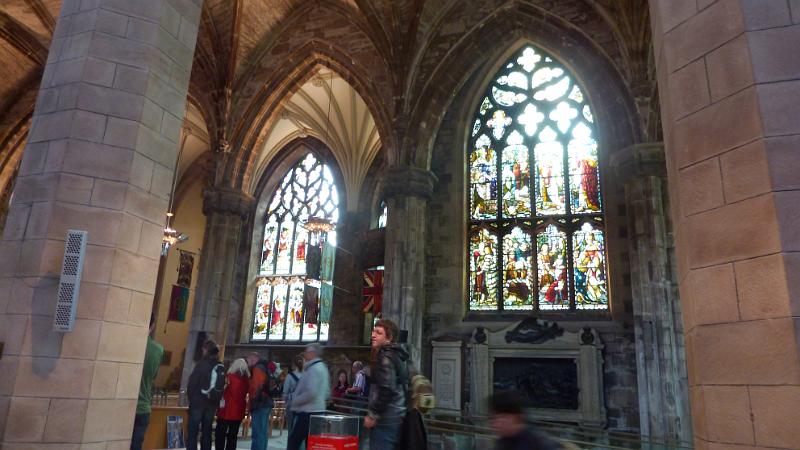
(171, 235)
(318, 225)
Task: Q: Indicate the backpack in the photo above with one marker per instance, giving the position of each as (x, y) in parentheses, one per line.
(216, 385)
(418, 388)
(267, 390)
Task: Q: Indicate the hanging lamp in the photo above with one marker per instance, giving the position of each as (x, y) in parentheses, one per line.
(171, 235)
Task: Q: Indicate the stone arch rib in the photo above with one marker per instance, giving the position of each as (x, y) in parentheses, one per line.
(494, 38)
(264, 106)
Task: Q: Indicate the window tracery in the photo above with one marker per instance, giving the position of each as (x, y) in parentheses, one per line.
(536, 229)
(285, 308)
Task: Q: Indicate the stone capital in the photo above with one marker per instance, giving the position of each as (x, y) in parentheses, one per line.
(405, 181)
(640, 160)
(228, 201)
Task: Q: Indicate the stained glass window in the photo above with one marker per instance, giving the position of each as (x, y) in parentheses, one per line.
(536, 234)
(287, 303)
(384, 214)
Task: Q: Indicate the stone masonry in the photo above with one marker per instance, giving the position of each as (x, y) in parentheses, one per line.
(728, 78)
(99, 157)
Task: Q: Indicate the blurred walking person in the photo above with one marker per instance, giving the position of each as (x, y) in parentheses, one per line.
(507, 419)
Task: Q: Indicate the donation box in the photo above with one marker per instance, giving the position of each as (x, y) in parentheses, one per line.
(333, 432)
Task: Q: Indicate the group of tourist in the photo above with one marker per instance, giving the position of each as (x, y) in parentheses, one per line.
(393, 419)
(246, 387)
(249, 385)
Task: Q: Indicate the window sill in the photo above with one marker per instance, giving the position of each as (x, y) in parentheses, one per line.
(550, 316)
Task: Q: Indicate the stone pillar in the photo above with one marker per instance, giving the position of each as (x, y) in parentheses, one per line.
(217, 304)
(407, 191)
(660, 356)
(100, 156)
(479, 372)
(731, 115)
(346, 324)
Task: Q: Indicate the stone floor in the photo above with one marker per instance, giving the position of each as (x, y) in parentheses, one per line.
(275, 442)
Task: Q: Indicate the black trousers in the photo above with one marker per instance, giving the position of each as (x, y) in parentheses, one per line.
(299, 433)
(200, 420)
(226, 434)
(140, 423)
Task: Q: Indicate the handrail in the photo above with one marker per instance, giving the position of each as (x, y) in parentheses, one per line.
(583, 438)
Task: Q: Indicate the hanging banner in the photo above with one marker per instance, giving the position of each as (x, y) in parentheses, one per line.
(313, 261)
(185, 267)
(178, 303)
(328, 259)
(310, 303)
(325, 302)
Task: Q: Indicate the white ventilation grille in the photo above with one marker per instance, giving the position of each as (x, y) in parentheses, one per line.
(70, 283)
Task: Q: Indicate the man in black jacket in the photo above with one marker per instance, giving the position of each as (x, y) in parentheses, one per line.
(201, 407)
(388, 387)
(507, 419)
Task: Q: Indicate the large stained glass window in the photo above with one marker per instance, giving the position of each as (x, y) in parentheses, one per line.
(536, 237)
(287, 304)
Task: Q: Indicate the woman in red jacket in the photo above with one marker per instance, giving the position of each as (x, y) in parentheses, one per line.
(232, 406)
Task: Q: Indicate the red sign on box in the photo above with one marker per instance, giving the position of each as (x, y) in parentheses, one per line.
(332, 442)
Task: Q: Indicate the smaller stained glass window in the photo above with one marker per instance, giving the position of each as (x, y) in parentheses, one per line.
(384, 214)
(551, 250)
(590, 268)
(517, 270)
(285, 311)
(483, 270)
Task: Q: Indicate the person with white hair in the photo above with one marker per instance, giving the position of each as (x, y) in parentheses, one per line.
(233, 405)
(310, 395)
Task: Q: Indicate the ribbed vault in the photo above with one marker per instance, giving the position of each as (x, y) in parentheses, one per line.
(329, 109)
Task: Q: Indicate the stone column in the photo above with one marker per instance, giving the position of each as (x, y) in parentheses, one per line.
(346, 326)
(100, 156)
(217, 306)
(407, 191)
(660, 357)
(731, 114)
(479, 389)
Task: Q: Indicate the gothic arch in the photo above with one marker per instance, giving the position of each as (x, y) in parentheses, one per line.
(504, 31)
(298, 68)
(287, 157)
(266, 187)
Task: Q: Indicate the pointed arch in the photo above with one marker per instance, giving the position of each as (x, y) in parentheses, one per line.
(505, 29)
(302, 184)
(299, 67)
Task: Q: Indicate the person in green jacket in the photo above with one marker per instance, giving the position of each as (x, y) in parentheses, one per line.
(152, 361)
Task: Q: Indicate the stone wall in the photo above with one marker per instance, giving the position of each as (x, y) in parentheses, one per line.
(100, 157)
(730, 112)
(619, 381)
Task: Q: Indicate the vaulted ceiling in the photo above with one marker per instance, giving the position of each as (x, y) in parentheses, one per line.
(385, 53)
